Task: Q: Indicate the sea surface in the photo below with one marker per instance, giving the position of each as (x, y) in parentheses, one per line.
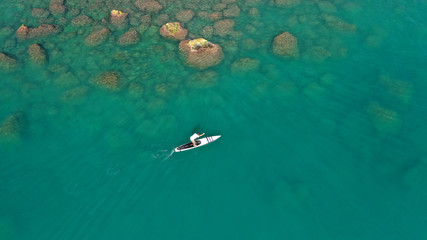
(331, 144)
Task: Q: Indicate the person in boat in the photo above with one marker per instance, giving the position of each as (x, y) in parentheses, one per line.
(194, 137)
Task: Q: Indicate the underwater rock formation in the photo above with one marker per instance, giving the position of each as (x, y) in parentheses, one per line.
(118, 18)
(11, 128)
(40, 13)
(148, 6)
(75, 93)
(22, 32)
(57, 7)
(245, 65)
(286, 3)
(128, 38)
(44, 30)
(223, 27)
(174, 31)
(7, 63)
(397, 88)
(385, 121)
(184, 16)
(204, 79)
(286, 45)
(81, 21)
(109, 80)
(231, 11)
(201, 53)
(97, 37)
(37, 53)
(336, 23)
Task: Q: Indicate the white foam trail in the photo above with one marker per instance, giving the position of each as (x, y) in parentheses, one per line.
(163, 154)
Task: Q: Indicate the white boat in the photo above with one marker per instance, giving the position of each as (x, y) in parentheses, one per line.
(199, 142)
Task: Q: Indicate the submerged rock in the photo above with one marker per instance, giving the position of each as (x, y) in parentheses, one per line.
(286, 45)
(201, 53)
(185, 16)
(82, 21)
(148, 6)
(97, 37)
(128, 38)
(223, 27)
(109, 80)
(7, 63)
(12, 127)
(385, 121)
(286, 3)
(40, 13)
(37, 53)
(245, 65)
(173, 30)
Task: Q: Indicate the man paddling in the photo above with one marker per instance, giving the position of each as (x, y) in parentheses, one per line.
(194, 137)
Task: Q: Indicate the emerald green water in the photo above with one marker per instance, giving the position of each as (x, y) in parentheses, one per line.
(330, 145)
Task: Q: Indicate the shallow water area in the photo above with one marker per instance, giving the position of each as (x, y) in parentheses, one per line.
(331, 139)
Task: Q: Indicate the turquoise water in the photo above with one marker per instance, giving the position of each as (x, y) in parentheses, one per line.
(330, 145)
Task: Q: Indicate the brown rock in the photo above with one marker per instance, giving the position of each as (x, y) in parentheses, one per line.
(223, 27)
(118, 18)
(185, 16)
(40, 13)
(57, 9)
(245, 65)
(149, 6)
(12, 127)
(81, 21)
(97, 37)
(37, 53)
(109, 80)
(286, 45)
(173, 31)
(128, 38)
(200, 53)
(7, 63)
(286, 3)
(231, 11)
(44, 30)
(22, 32)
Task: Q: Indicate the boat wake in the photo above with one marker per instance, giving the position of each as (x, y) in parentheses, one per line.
(163, 154)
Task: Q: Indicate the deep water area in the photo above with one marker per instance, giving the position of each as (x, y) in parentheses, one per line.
(325, 138)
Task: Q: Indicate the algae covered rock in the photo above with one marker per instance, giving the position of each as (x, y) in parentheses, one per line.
(201, 53)
(174, 31)
(286, 45)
